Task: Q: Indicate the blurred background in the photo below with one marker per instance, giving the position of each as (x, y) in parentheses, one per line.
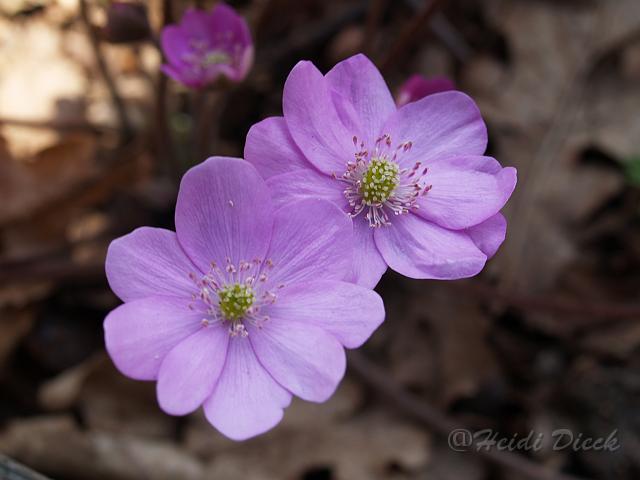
(93, 140)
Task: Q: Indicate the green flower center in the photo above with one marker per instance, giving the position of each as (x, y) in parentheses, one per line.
(235, 300)
(379, 181)
(215, 58)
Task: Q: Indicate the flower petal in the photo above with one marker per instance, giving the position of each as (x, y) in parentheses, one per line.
(349, 312)
(175, 44)
(139, 334)
(224, 211)
(312, 239)
(303, 358)
(244, 63)
(225, 19)
(313, 120)
(302, 184)
(359, 82)
(197, 24)
(368, 264)
(442, 124)
(191, 369)
(479, 163)
(149, 262)
(185, 76)
(246, 401)
(462, 197)
(419, 249)
(490, 234)
(271, 149)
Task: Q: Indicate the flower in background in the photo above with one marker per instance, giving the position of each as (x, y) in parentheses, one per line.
(243, 306)
(207, 45)
(417, 87)
(423, 197)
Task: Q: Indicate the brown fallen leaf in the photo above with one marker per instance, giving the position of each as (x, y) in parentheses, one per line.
(56, 447)
(368, 447)
(110, 402)
(14, 325)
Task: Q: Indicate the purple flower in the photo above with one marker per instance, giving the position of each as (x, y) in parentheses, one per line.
(423, 198)
(207, 45)
(417, 87)
(241, 308)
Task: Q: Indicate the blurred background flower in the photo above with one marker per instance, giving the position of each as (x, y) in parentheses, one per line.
(205, 46)
(418, 86)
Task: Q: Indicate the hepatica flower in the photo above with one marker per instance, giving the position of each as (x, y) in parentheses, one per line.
(243, 306)
(417, 87)
(423, 197)
(207, 45)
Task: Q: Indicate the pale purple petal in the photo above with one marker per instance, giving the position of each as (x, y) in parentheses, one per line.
(246, 401)
(191, 369)
(271, 149)
(349, 312)
(368, 264)
(419, 249)
(461, 196)
(480, 163)
(312, 239)
(175, 43)
(303, 358)
(417, 87)
(230, 33)
(186, 76)
(223, 212)
(439, 125)
(306, 183)
(149, 262)
(214, 71)
(225, 19)
(197, 24)
(490, 234)
(359, 82)
(244, 63)
(313, 120)
(139, 334)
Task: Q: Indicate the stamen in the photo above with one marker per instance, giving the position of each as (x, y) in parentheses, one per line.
(376, 183)
(234, 295)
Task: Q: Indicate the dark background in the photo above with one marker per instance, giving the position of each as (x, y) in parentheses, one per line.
(546, 337)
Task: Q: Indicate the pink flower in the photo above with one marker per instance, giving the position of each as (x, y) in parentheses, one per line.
(207, 45)
(423, 197)
(417, 87)
(241, 308)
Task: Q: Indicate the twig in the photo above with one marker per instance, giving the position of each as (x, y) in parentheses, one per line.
(52, 271)
(408, 35)
(263, 11)
(556, 305)
(116, 99)
(450, 37)
(446, 33)
(56, 125)
(570, 104)
(310, 34)
(442, 425)
(376, 9)
(166, 151)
